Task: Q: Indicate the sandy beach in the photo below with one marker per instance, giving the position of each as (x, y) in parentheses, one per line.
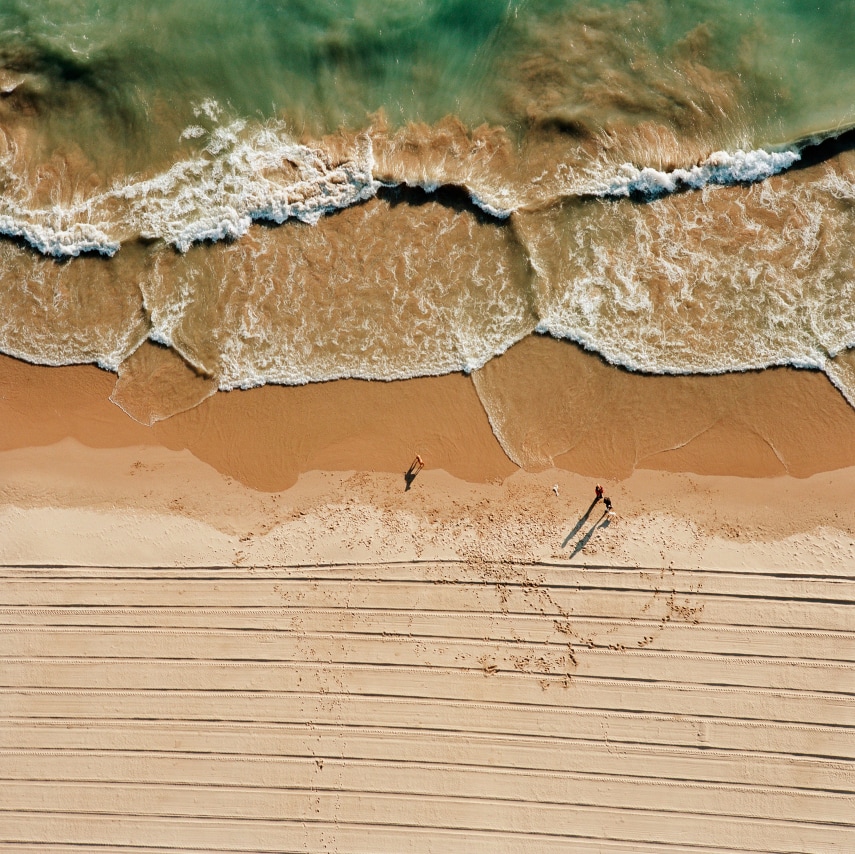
(591, 263)
(239, 630)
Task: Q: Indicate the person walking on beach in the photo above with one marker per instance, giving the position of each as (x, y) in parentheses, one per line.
(599, 492)
(608, 502)
(415, 467)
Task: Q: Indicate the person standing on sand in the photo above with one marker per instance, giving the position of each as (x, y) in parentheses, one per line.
(415, 467)
(599, 491)
(608, 503)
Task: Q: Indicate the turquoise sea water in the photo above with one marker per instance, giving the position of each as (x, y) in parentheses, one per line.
(625, 174)
(133, 72)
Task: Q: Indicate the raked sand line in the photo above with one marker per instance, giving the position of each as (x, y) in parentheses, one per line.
(469, 707)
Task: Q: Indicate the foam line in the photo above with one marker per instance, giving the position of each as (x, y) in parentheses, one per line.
(721, 167)
(77, 239)
(236, 180)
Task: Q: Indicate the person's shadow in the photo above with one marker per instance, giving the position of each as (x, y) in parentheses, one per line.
(602, 522)
(582, 519)
(410, 474)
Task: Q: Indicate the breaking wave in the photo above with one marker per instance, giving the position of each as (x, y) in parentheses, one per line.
(237, 179)
(722, 168)
(414, 266)
(243, 175)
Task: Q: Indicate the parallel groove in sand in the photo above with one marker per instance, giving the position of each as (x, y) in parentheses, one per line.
(411, 707)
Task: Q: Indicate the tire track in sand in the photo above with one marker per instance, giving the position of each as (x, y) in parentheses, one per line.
(413, 707)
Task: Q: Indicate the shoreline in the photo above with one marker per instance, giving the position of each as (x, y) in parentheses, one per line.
(543, 403)
(765, 462)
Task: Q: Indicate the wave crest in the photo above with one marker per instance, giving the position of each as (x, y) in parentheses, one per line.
(243, 174)
(721, 167)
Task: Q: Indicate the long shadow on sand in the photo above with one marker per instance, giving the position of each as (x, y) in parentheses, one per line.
(411, 472)
(578, 527)
(602, 522)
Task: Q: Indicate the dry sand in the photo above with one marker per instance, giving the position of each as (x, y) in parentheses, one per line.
(236, 630)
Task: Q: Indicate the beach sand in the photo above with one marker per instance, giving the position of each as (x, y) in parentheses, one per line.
(239, 630)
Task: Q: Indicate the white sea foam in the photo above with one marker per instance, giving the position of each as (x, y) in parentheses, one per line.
(841, 372)
(220, 194)
(193, 132)
(490, 208)
(759, 278)
(493, 208)
(658, 288)
(721, 167)
(73, 240)
(238, 178)
(839, 187)
(243, 174)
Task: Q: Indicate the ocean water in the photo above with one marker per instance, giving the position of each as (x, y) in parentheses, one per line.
(295, 191)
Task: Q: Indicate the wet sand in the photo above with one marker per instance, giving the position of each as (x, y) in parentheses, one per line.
(238, 629)
(550, 402)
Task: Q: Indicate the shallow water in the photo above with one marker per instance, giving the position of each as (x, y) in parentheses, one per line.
(291, 191)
